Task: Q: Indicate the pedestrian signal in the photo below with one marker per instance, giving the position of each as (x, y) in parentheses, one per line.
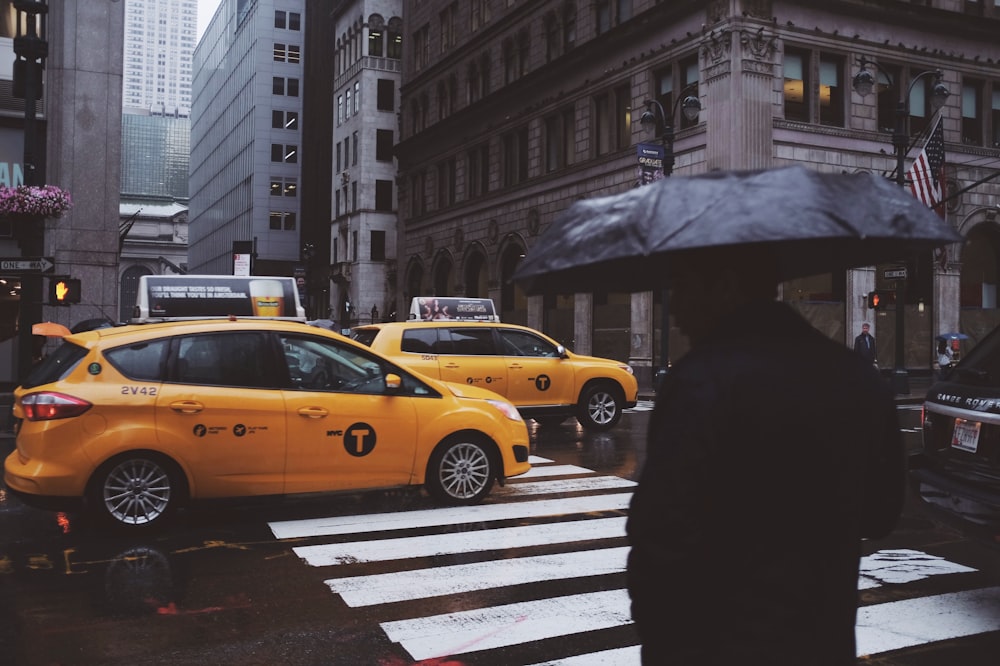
(873, 300)
(64, 291)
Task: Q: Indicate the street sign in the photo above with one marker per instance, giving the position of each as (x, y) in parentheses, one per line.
(27, 264)
(895, 274)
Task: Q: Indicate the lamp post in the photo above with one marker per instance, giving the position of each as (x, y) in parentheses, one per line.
(864, 84)
(653, 118)
(30, 51)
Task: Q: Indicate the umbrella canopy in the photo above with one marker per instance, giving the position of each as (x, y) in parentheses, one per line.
(808, 222)
(953, 336)
(49, 329)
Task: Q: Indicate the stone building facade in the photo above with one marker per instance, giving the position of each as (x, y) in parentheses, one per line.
(512, 110)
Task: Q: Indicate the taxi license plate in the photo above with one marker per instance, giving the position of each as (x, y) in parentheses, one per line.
(966, 435)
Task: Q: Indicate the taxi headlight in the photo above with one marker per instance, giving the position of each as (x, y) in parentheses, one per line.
(507, 409)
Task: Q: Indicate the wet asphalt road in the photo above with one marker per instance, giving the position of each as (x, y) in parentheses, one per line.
(218, 587)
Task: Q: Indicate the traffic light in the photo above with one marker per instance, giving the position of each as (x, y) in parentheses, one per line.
(873, 300)
(63, 291)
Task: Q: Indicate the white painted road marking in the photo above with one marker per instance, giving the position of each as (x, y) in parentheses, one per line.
(881, 627)
(382, 550)
(375, 522)
(459, 578)
(901, 624)
(510, 624)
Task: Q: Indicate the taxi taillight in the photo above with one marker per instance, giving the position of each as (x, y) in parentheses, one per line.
(48, 406)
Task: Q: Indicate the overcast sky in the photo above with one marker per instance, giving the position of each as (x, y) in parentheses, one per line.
(206, 10)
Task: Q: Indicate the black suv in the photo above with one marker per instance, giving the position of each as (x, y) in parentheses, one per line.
(958, 471)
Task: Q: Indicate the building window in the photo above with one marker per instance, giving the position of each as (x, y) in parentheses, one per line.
(394, 45)
(340, 109)
(831, 91)
(294, 19)
(796, 66)
(283, 86)
(377, 245)
(472, 82)
(421, 48)
(477, 171)
(279, 52)
(446, 183)
(523, 52)
(383, 145)
(569, 25)
(418, 197)
(284, 153)
(553, 44)
(279, 19)
(339, 168)
(383, 196)
(515, 156)
(480, 14)
(347, 104)
(447, 18)
(612, 120)
(375, 43)
(509, 61)
(972, 120)
(286, 187)
(285, 120)
(386, 95)
(294, 53)
(354, 196)
(995, 115)
(559, 128)
(357, 96)
(281, 221)
(354, 155)
(347, 151)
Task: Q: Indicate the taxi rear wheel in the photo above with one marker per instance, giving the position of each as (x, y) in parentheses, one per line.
(461, 470)
(136, 490)
(600, 407)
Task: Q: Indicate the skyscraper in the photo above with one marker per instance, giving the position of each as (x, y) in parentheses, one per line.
(160, 36)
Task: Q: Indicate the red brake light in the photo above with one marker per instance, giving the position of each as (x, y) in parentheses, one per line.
(48, 406)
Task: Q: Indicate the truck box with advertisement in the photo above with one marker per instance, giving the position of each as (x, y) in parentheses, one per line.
(428, 308)
(172, 297)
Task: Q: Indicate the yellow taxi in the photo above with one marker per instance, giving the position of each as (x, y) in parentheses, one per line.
(540, 376)
(138, 420)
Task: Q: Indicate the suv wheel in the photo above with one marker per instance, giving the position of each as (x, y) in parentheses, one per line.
(136, 490)
(460, 471)
(599, 408)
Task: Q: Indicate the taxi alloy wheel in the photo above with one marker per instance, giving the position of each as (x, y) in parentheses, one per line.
(461, 471)
(136, 490)
(599, 408)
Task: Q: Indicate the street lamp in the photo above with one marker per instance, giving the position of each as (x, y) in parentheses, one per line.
(30, 51)
(653, 118)
(864, 84)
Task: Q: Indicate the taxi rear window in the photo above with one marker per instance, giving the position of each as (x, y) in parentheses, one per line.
(56, 365)
(365, 336)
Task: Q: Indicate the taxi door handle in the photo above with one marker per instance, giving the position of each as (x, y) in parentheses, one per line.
(452, 364)
(314, 412)
(187, 406)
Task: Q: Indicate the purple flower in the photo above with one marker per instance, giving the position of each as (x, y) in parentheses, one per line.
(43, 201)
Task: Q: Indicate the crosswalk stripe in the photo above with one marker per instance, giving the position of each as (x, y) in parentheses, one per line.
(900, 566)
(901, 624)
(375, 522)
(460, 578)
(511, 624)
(383, 550)
(553, 470)
(618, 657)
(551, 486)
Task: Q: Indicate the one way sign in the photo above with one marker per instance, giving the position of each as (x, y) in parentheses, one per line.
(27, 264)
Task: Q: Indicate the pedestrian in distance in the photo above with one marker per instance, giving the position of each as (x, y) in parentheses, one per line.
(945, 357)
(772, 452)
(864, 344)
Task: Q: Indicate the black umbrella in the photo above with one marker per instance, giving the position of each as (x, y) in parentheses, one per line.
(808, 222)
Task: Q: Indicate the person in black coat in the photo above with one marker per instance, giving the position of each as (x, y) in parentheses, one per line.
(772, 452)
(864, 344)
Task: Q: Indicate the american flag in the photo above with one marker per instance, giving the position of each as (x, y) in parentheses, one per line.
(926, 175)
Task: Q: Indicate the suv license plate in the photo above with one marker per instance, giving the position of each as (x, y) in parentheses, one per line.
(966, 436)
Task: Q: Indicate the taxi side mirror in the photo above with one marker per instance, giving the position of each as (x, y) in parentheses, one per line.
(393, 382)
(561, 351)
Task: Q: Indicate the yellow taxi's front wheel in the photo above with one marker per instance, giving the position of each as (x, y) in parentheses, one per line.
(135, 490)
(461, 470)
